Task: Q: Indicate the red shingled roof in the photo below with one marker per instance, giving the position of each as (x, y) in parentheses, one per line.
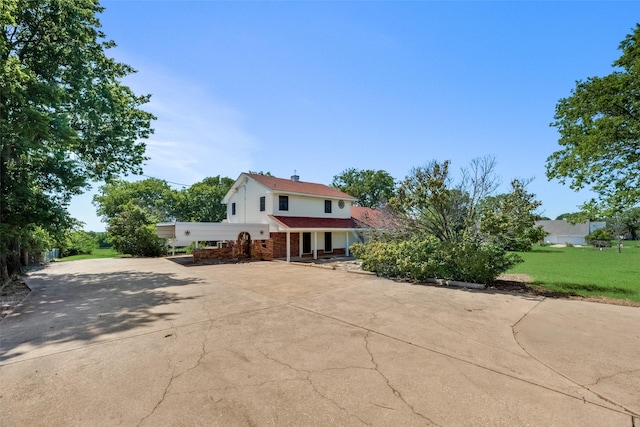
(309, 222)
(374, 218)
(290, 186)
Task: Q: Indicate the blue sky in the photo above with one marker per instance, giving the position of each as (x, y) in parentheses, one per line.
(318, 87)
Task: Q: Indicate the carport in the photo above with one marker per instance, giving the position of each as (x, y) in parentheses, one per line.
(187, 232)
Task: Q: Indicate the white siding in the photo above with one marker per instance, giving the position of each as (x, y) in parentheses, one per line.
(562, 239)
(199, 231)
(247, 200)
(309, 207)
(339, 239)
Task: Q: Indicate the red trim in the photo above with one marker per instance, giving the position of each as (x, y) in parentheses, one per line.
(309, 222)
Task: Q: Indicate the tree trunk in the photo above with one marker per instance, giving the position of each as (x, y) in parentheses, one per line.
(14, 266)
(4, 274)
(11, 261)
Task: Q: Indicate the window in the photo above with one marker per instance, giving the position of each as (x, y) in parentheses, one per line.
(233, 208)
(283, 203)
(263, 202)
(327, 206)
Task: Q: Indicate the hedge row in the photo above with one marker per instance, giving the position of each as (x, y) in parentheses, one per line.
(421, 259)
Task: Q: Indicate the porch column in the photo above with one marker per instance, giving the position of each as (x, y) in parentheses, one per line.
(288, 247)
(315, 245)
(347, 250)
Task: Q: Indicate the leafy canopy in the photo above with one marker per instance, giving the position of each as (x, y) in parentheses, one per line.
(154, 196)
(429, 201)
(65, 117)
(372, 188)
(202, 202)
(126, 206)
(508, 220)
(599, 126)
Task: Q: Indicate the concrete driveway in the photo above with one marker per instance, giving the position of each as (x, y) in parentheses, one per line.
(151, 342)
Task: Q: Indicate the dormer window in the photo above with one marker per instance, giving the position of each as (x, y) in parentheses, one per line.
(327, 206)
(263, 203)
(283, 203)
(233, 208)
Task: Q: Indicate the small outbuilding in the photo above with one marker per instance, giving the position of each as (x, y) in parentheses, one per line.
(561, 232)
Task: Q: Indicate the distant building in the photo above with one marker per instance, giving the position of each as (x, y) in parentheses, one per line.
(560, 231)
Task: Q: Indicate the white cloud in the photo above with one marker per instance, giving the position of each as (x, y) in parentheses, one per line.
(196, 136)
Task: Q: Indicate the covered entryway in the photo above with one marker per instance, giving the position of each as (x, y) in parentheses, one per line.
(304, 236)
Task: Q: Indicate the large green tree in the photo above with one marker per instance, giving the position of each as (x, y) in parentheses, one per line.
(508, 220)
(154, 196)
(132, 231)
(202, 201)
(125, 205)
(65, 117)
(631, 221)
(428, 199)
(599, 126)
(372, 188)
(438, 234)
(131, 210)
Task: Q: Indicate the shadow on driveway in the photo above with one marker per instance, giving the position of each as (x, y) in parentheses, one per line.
(80, 307)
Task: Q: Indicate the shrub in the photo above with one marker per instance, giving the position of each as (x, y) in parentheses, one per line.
(379, 257)
(599, 238)
(133, 232)
(77, 243)
(424, 258)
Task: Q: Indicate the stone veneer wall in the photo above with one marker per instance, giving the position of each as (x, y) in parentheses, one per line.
(260, 249)
(214, 253)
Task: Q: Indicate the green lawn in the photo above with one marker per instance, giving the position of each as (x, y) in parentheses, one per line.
(585, 270)
(97, 253)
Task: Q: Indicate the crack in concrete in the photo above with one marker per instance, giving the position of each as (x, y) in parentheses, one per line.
(489, 394)
(624, 409)
(279, 362)
(315, 389)
(457, 332)
(526, 314)
(164, 395)
(478, 365)
(173, 377)
(128, 337)
(606, 377)
(382, 406)
(395, 391)
(374, 315)
(307, 378)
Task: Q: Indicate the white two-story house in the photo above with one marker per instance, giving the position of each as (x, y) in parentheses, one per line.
(304, 218)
